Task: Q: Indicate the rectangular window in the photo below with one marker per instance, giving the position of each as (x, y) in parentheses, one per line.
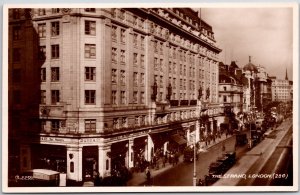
(174, 67)
(16, 75)
(54, 74)
(90, 51)
(174, 83)
(123, 77)
(161, 64)
(143, 120)
(155, 46)
(55, 10)
(161, 48)
(142, 42)
(90, 96)
(55, 125)
(114, 76)
(90, 73)
(114, 54)
(122, 56)
(16, 33)
(42, 53)
(54, 29)
(43, 74)
(55, 96)
(170, 67)
(114, 33)
(41, 12)
(142, 97)
(43, 97)
(115, 123)
(142, 61)
(54, 51)
(161, 81)
(135, 79)
(90, 9)
(90, 27)
(17, 96)
(155, 64)
(123, 97)
(90, 125)
(142, 81)
(123, 36)
(135, 58)
(124, 122)
(42, 30)
(135, 40)
(135, 97)
(16, 55)
(114, 97)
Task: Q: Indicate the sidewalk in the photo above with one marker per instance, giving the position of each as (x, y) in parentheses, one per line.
(140, 178)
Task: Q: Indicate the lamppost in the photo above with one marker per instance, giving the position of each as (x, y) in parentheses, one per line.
(195, 174)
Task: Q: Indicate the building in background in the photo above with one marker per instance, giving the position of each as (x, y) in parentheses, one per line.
(250, 71)
(115, 86)
(230, 94)
(281, 89)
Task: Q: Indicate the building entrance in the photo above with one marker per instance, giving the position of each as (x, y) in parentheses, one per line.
(89, 162)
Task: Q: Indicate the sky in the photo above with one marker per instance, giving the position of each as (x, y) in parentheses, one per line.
(265, 34)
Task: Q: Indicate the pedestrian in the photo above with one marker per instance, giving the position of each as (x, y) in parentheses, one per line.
(148, 175)
(97, 180)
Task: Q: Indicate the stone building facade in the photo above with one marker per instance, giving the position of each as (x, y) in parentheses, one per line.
(114, 85)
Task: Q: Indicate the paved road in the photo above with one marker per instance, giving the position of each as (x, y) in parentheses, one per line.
(254, 160)
(182, 174)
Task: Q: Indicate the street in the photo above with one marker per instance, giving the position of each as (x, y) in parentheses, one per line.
(182, 174)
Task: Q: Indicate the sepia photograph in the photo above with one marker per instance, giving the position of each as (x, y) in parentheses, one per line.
(150, 97)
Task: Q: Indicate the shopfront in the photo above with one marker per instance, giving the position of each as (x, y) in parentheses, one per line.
(89, 162)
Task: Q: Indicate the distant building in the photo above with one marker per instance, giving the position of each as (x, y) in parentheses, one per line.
(250, 71)
(230, 93)
(263, 88)
(115, 86)
(281, 89)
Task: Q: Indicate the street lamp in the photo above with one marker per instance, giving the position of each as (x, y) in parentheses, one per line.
(195, 174)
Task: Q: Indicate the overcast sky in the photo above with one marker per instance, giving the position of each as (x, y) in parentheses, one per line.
(263, 33)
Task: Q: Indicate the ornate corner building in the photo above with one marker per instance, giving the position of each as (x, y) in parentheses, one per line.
(98, 89)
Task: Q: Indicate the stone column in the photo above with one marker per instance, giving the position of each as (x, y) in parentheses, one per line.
(188, 136)
(197, 131)
(130, 154)
(104, 161)
(74, 163)
(150, 145)
(25, 157)
(165, 147)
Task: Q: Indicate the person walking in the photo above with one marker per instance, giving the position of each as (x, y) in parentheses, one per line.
(148, 176)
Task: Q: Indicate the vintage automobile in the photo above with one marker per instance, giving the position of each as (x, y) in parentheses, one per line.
(188, 154)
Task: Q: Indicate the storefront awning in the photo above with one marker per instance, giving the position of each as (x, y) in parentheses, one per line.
(178, 139)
